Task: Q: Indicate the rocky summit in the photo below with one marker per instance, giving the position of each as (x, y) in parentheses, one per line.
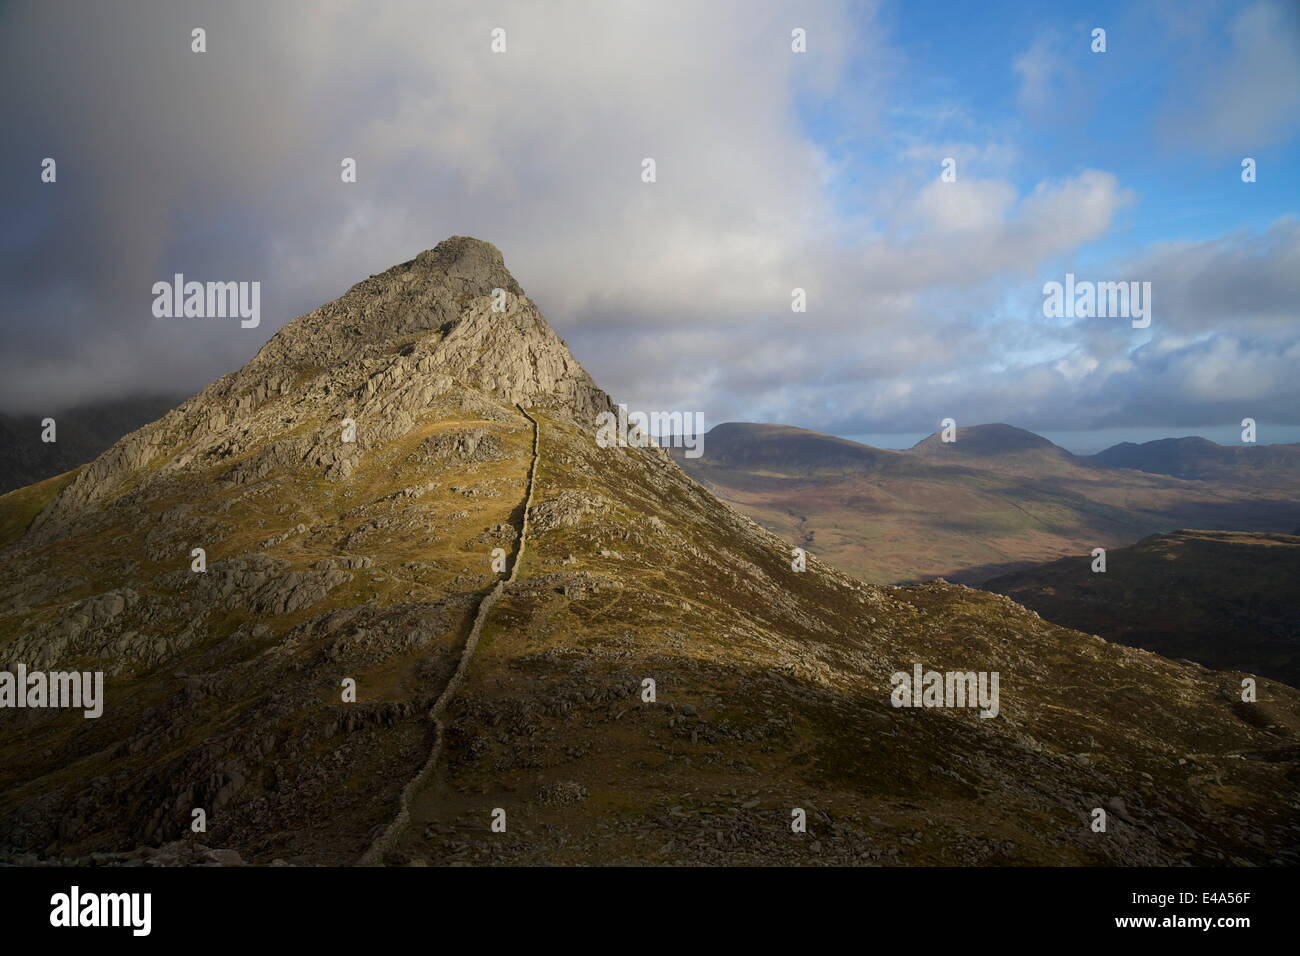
(380, 597)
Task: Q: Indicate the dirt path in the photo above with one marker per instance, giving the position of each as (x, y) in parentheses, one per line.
(374, 856)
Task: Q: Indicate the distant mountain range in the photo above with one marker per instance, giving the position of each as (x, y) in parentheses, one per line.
(996, 499)
(1201, 459)
(81, 433)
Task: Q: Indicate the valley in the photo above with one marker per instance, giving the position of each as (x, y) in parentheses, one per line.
(996, 500)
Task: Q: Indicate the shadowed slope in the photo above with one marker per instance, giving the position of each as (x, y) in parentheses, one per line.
(1199, 459)
(1224, 599)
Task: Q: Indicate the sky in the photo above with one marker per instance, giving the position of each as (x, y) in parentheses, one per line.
(774, 170)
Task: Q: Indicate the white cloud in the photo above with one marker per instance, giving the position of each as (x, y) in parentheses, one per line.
(1242, 94)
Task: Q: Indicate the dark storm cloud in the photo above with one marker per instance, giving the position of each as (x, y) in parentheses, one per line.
(225, 166)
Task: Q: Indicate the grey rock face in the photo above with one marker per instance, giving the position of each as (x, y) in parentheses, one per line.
(387, 350)
(565, 511)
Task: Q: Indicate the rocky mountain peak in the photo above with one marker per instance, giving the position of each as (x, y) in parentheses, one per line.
(449, 327)
(461, 288)
(467, 260)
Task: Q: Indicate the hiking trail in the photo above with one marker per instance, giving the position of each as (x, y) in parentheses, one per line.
(374, 856)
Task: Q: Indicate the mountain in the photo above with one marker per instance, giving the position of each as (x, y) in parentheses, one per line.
(785, 450)
(80, 433)
(1227, 600)
(1003, 445)
(996, 499)
(561, 653)
(1200, 459)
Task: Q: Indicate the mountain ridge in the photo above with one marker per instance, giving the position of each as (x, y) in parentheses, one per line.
(755, 443)
(998, 499)
(1196, 458)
